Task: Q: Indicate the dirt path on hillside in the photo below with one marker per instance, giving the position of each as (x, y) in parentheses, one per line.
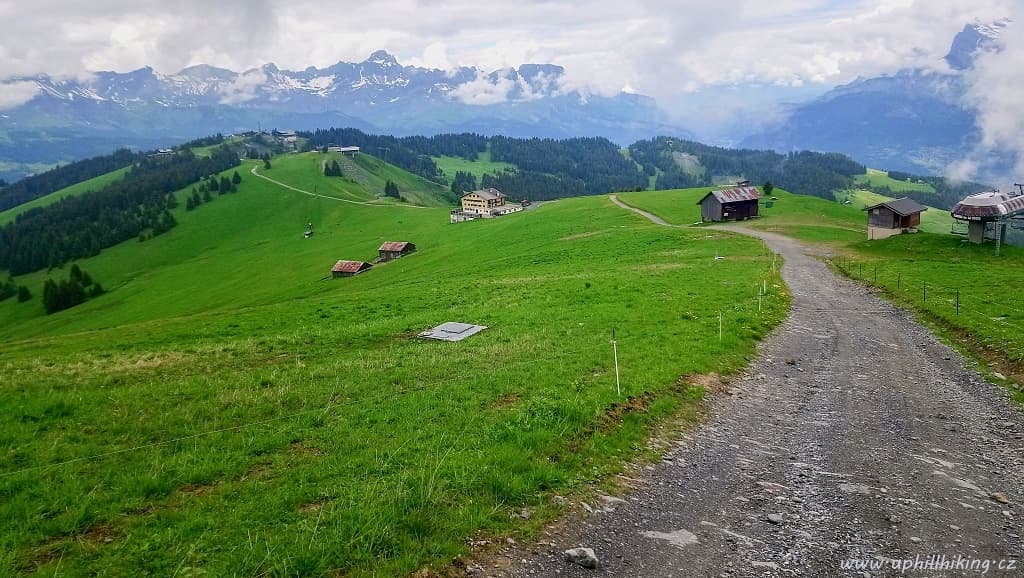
(855, 435)
(311, 194)
(650, 216)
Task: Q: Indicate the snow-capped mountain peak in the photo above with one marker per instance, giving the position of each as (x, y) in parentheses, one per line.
(972, 40)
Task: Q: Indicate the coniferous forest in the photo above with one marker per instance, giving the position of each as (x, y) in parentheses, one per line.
(804, 172)
(36, 186)
(81, 226)
(78, 288)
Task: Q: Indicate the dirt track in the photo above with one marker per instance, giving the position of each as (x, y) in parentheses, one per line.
(855, 435)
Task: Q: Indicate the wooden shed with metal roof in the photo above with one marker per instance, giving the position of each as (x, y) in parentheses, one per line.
(349, 268)
(735, 204)
(392, 250)
(894, 217)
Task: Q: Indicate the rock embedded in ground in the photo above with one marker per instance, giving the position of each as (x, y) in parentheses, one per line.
(584, 557)
(999, 497)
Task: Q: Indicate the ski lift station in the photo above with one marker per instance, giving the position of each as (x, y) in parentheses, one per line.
(987, 215)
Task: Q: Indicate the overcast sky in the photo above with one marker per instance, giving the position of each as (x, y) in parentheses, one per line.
(675, 51)
(656, 47)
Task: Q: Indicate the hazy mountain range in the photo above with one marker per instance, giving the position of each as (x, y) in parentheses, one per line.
(70, 118)
(914, 120)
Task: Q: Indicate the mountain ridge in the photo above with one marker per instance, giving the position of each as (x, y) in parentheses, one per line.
(914, 120)
(71, 118)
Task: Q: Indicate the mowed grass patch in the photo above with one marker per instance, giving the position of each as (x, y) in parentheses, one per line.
(252, 417)
(877, 178)
(479, 167)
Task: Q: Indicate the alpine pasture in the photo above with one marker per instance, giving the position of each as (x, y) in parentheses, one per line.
(228, 408)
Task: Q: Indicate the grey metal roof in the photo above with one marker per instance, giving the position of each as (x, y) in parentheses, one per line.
(987, 207)
(903, 206)
(489, 194)
(734, 195)
(452, 331)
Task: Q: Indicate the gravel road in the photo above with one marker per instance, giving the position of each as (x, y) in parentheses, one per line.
(855, 435)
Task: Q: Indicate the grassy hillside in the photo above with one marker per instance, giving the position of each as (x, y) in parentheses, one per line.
(876, 178)
(934, 220)
(93, 184)
(363, 181)
(479, 167)
(800, 216)
(227, 408)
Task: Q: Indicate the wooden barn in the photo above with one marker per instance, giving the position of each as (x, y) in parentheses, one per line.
(894, 217)
(349, 268)
(736, 204)
(392, 250)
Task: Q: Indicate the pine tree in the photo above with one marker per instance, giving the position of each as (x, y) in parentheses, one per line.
(391, 190)
(207, 197)
(212, 185)
(225, 185)
(236, 178)
(23, 294)
(266, 164)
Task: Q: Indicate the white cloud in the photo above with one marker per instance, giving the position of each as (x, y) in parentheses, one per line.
(668, 49)
(994, 91)
(484, 90)
(16, 93)
(244, 88)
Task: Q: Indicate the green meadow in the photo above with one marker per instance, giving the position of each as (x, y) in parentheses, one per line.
(93, 184)
(228, 408)
(481, 166)
(934, 220)
(930, 272)
(799, 216)
(877, 178)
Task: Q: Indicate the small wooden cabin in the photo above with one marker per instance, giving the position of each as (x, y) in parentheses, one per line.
(894, 217)
(736, 204)
(392, 250)
(349, 268)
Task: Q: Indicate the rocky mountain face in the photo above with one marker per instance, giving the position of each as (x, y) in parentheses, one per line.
(69, 119)
(914, 120)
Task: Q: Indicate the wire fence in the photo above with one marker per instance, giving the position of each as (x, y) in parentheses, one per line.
(958, 304)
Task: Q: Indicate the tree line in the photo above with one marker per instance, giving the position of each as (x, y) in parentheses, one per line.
(33, 187)
(204, 192)
(10, 289)
(547, 168)
(554, 168)
(803, 172)
(78, 288)
(83, 225)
